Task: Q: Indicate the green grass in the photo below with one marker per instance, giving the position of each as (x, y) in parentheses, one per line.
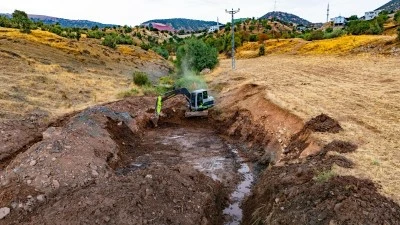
(128, 93)
(324, 176)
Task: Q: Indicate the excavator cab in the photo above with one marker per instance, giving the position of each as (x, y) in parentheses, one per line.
(200, 100)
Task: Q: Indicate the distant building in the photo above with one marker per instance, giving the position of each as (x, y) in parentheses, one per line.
(339, 21)
(301, 28)
(371, 15)
(212, 29)
(160, 27)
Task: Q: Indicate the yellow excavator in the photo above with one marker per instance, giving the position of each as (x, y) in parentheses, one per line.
(198, 103)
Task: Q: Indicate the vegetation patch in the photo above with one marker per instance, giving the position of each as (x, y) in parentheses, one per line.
(140, 78)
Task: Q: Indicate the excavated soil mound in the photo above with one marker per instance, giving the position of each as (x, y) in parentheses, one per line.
(157, 195)
(340, 147)
(310, 193)
(324, 123)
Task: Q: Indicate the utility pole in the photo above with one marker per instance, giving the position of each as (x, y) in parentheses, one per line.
(233, 12)
(275, 6)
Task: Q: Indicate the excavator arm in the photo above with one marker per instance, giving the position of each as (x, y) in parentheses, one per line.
(160, 99)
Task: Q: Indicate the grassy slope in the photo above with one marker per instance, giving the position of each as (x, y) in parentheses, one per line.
(47, 72)
(362, 92)
(338, 46)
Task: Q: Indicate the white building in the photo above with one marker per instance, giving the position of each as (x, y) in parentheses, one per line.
(371, 15)
(212, 29)
(339, 21)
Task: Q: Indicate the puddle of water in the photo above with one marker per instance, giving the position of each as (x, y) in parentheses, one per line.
(234, 212)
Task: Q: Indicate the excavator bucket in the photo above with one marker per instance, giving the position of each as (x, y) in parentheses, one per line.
(154, 120)
(196, 114)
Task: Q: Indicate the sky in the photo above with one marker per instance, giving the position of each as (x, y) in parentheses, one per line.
(134, 12)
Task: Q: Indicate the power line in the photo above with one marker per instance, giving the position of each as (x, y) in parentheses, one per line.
(233, 12)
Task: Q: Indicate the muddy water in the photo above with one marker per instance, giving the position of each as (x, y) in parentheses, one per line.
(234, 212)
(203, 150)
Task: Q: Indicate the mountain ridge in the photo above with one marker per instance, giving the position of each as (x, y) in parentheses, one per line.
(286, 17)
(184, 24)
(64, 22)
(393, 5)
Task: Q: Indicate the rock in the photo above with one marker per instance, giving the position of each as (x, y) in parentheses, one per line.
(332, 222)
(14, 205)
(106, 219)
(29, 182)
(338, 207)
(41, 198)
(95, 173)
(4, 212)
(56, 184)
(33, 163)
(205, 71)
(120, 124)
(149, 176)
(277, 200)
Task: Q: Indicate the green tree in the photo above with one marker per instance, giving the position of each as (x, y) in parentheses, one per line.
(20, 18)
(196, 55)
(353, 17)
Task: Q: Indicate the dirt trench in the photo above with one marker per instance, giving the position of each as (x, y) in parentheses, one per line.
(107, 165)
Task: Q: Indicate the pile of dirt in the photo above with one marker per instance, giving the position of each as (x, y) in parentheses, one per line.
(298, 185)
(84, 171)
(310, 193)
(323, 123)
(156, 195)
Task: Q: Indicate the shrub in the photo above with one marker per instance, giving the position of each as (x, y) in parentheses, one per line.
(315, 35)
(145, 47)
(335, 34)
(140, 78)
(398, 34)
(110, 41)
(397, 17)
(128, 93)
(161, 51)
(253, 38)
(329, 30)
(261, 51)
(95, 34)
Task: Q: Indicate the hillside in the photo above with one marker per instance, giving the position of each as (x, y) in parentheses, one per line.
(185, 24)
(56, 75)
(286, 17)
(65, 22)
(391, 6)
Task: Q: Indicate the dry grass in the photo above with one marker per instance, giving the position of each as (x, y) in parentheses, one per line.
(42, 37)
(44, 71)
(362, 93)
(337, 46)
